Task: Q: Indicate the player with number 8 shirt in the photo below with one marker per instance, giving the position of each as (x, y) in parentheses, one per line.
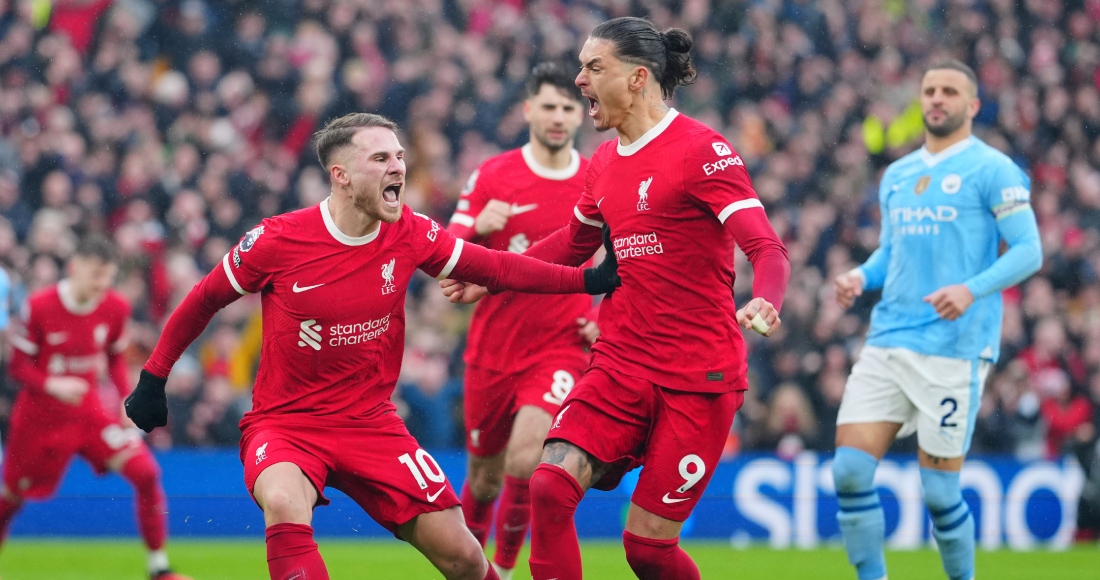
(524, 352)
(332, 280)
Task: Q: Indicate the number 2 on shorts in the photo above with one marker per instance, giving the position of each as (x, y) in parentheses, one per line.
(954, 407)
(427, 468)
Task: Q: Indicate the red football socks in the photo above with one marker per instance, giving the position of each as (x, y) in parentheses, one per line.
(513, 519)
(658, 559)
(8, 509)
(555, 550)
(292, 553)
(478, 514)
(492, 574)
(142, 472)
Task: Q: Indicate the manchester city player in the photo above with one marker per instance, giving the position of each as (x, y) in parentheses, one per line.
(935, 333)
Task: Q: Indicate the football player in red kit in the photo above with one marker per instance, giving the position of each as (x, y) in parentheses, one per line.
(524, 352)
(669, 368)
(72, 337)
(332, 280)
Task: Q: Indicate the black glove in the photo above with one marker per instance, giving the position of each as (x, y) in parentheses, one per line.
(603, 279)
(147, 406)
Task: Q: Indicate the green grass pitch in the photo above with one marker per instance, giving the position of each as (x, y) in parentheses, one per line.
(24, 559)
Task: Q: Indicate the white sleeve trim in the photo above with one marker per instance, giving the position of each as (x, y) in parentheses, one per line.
(232, 279)
(24, 345)
(462, 220)
(584, 220)
(738, 206)
(446, 271)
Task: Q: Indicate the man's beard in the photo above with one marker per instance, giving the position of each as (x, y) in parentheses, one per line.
(951, 123)
(553, 147)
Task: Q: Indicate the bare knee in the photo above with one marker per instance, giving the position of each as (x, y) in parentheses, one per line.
(486, 477)
(281, 507)
(467, 562)
(285, 495)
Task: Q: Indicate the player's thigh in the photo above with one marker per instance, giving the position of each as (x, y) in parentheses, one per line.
(488, 403)
(685, 445)
(525, 445)
(35, 460)
(285, 471)
(385, 471)
(443, 538)
(607, 416)
(947, 394)
(874, 408)
(543, 390)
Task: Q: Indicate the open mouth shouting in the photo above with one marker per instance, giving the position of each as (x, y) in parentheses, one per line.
(593, 106)
(391, 194)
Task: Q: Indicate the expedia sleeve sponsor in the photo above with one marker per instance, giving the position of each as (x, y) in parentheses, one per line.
(722, 164)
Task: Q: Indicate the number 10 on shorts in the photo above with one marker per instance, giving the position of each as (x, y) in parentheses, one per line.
(425, 466)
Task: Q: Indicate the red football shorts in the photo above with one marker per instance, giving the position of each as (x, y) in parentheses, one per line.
(36, 457)
(492, 398)
(375, 461)
(677, 436)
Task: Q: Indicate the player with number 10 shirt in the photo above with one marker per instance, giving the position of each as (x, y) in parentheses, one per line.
(332, 280)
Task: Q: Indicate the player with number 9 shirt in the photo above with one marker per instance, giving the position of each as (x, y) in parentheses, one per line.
(669, 368)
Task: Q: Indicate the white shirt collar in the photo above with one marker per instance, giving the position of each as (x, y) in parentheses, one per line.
(65, 293)
(934, 159)
(628, 150)
(341, 237)
(545, 172)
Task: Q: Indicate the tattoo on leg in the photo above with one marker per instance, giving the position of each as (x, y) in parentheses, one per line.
(555, 453)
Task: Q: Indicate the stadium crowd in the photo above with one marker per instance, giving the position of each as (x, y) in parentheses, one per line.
(175, 126)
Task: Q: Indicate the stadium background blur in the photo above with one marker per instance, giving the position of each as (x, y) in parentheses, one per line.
(174, 126)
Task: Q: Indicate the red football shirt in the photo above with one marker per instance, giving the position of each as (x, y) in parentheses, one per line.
(512, 331)
(61, 337)
(667, 198)
(333, 308)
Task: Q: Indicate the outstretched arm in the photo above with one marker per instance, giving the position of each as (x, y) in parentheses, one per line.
(508, 271)
(571, 245)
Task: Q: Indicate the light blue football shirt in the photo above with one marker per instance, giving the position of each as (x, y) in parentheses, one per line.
(943, 218)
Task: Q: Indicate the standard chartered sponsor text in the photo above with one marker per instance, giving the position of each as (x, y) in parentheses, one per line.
(351, 334)
(636, 245)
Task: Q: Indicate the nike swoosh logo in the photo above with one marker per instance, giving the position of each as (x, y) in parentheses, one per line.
(518, 209)
(508, 528)
(432, 496)
(57, 337)
(298, 289)
(667, 499)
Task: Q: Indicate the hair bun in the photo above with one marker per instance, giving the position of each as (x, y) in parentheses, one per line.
(676, 40)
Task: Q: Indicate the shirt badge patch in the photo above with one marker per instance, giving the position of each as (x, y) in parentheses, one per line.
(643, 194)
(922, 184)
(951, 184)
(250, 238)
